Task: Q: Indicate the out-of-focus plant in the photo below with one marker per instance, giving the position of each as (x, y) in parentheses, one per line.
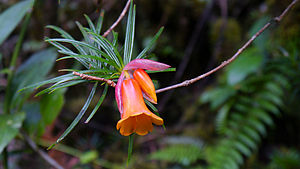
(185, 151)
(249, 97)
(17, 111)
(284, 159)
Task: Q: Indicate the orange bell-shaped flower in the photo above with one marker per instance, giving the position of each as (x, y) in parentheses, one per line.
(136, 117)
(146, 84)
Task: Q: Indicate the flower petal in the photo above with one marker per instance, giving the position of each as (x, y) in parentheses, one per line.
(118, 93)
(145, 64)
(143, 125)
(146, 85)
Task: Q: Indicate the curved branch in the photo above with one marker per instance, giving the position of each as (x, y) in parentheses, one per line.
(225, 63)
(118, 20)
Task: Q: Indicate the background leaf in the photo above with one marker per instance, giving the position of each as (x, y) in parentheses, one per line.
(9, 124)
(33, 70)
(50, 107)
(10, 18)
(247, 63)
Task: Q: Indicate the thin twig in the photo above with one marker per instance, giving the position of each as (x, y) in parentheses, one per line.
(118, 20)
(44, 155)
(88, 77)
(225, 63)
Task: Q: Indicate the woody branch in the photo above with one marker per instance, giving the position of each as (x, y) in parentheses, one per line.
(223, 64)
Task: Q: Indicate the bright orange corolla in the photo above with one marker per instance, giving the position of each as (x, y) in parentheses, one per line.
(134, 84)
(136, 117)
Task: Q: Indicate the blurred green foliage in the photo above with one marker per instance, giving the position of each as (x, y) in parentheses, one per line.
(246, 116)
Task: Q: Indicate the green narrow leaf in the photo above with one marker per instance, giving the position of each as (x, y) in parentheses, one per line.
(98, 104)
(149, 46)
(11, 17)
(108, 48)
(99, 22)
(130, 147)
(60, 86)
(66, 51)
(83, 31)
(158, 71)
(78, 117)
(61, 31)
(129, 38)
(154, 109)
(111, 56)
(91, 24)
(53, 80)
(87, 57)
(115, 41)
(91, 71)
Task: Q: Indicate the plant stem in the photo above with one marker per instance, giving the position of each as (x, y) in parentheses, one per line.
(12, 66)
(130, 147)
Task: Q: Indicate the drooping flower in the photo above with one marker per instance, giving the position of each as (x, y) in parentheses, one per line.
(136, 117)
(134, 84)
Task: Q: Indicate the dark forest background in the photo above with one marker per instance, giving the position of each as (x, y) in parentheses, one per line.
(244, 116)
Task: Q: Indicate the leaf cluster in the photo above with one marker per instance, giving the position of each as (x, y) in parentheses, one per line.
(99, 56)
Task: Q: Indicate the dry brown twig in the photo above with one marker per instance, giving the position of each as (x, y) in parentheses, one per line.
(223, 64)
(118, 20)
(88, 77)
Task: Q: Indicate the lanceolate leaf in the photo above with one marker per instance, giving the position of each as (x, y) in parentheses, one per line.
(149, 46)
(159, 71)
(26, 74)
(87, 57)
(91, 25)
(98, 104)
(108, 48)
(78, 117)
(99, 22)
(60, 86)
(129, 38)
(61, 31)
(10, 18)
(53, 80)
(109, 55)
